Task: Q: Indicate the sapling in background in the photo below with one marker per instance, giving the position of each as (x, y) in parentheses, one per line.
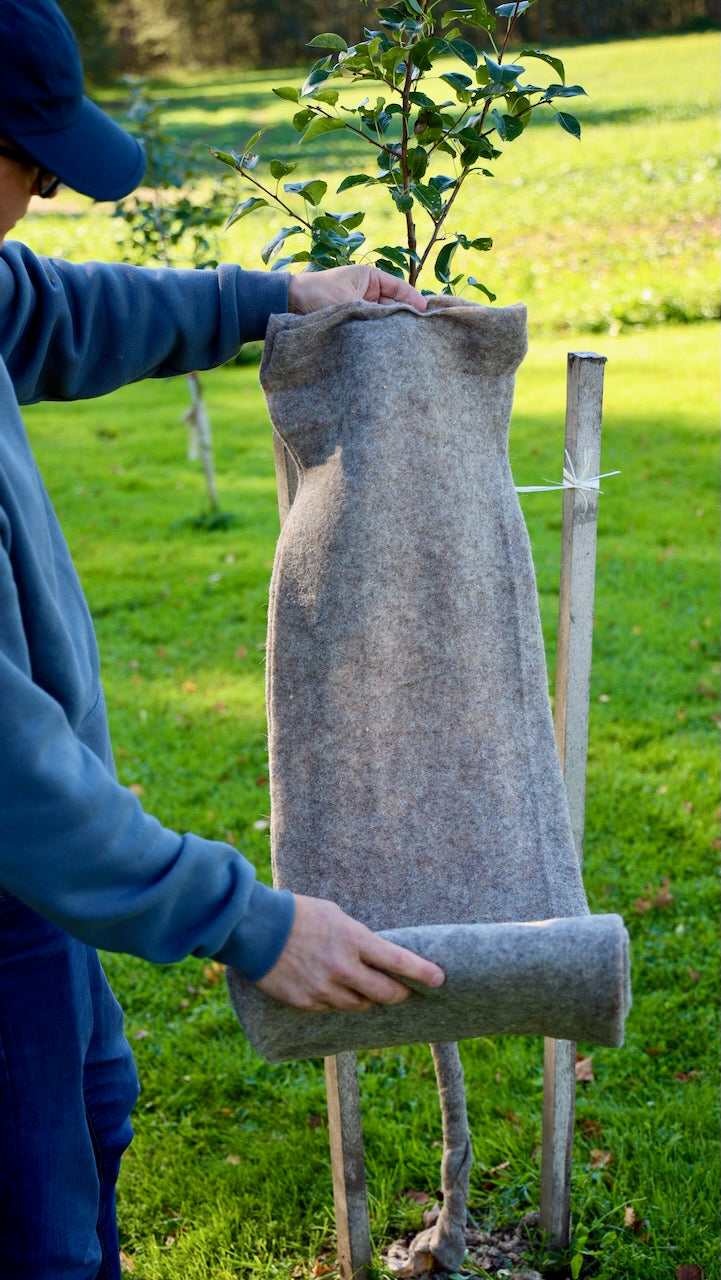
(438, 111)
(172, 221)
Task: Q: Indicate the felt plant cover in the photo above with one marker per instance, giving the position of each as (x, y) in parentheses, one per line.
(413, 768)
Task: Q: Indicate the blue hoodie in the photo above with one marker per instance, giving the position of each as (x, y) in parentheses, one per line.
(74, 844)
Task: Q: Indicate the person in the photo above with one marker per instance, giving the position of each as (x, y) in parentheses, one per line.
(82, 865)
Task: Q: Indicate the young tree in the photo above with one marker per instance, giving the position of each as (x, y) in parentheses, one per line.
(423, 143)
(438, 111)
(173, 221)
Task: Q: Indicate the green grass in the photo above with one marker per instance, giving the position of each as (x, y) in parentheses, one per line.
(612, 233)
(181, 622)
(603, 240)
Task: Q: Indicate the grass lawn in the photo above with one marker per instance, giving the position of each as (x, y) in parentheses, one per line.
(229, 1174)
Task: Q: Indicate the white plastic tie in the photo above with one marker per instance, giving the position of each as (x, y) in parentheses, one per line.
(585, 482)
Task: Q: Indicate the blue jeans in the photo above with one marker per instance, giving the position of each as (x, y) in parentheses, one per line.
(67, 1086)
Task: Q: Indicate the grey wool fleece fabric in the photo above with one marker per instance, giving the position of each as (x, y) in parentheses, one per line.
(413, 768)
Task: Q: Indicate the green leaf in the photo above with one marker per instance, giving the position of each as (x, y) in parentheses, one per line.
(328, 41)
(464, 51)
(564, 91)
(576, 1265)
(456, 15)
(459, 83)
(320, 125)
(302, 118)
(384, 264)
(472, 15)
(430, 197)
(245, 207)
(351, 220)
(279, 169)
(328, 96)
(512, 10)
(288, 92)
(481, 243)
(503, 72)
(519, 104)
(393, 254)
(354, 180)
(556, 63)
(422, 53)
(252, 141)
(417, 159)
(270, 249)
(442, 182)
(311, 191)
(280, 264)
(569, 123)
(226, 157)
(420, 99)
(442, 268)
(477, 285)
(319, 72)
(403, 200)
(508, 127)
(394, 62)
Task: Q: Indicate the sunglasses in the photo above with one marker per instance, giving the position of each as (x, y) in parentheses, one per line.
(48, 182)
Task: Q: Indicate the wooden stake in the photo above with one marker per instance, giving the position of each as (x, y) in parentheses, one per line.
(350, 1196)
(584, 403)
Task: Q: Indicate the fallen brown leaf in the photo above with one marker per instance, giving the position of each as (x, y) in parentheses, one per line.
(685, 1076)
(589, 1128)
(418, 1197)
(656, 898)
(689, 1271)
(321, 1269)
(584, 1068)
(633, 1222)
(126, 1262)
(599, 1158)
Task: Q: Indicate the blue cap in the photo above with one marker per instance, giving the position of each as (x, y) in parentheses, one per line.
(44, 110)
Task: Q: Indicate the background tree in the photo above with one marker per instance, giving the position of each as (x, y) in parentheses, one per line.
(172, 220)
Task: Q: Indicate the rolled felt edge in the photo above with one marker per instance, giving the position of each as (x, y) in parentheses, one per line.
(565, 978)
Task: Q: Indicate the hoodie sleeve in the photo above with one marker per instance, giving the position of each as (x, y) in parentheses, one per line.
(79, 848)
(71, 332)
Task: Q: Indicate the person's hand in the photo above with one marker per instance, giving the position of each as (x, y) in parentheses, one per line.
(332, 961)
(311, 290)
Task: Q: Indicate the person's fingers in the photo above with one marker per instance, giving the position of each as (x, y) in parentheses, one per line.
(382, 954)
(333, 961)
(311, 290)
(387, 289)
